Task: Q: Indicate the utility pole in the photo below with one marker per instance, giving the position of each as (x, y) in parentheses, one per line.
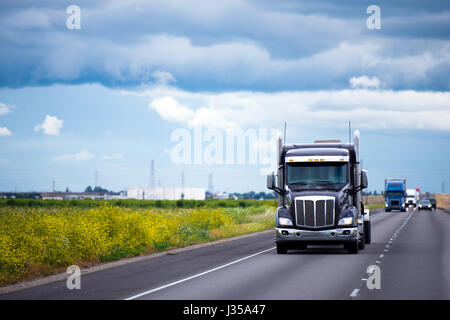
(443, 187)
(53, 182)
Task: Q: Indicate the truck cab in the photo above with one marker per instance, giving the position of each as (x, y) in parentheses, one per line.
(411, 198)
(319, 196)
(395, 195)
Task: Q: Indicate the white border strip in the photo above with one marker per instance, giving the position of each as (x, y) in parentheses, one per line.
(196, 275)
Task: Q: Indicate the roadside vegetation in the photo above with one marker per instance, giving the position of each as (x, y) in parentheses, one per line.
(373, 206)
(43, 237)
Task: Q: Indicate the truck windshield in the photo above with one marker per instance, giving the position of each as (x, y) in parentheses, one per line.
(305, 175)
(395, 194)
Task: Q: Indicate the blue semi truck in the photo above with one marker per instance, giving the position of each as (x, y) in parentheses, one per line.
(395, 195)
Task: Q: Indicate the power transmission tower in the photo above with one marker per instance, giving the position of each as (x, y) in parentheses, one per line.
(182, 179)
(152, 174)
(210, 183)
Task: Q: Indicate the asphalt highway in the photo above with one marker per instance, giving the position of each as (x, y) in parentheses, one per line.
(411, 250)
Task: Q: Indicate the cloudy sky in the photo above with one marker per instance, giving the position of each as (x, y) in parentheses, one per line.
(108, 97)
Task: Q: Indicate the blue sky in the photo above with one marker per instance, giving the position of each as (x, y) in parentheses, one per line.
(108, 97)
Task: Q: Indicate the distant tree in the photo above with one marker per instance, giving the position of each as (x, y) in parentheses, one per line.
(100, 189)
(88, 189)
(67, 189)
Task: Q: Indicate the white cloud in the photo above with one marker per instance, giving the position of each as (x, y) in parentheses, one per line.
(370, 109)
(4, 109)
(365, 82)
(170, 109)
(4, 132)
(114, 156)
(51, 125)
(163, 77)
(83, 155)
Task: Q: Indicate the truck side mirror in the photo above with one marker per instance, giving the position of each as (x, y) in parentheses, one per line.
(364, 181)
(271, 181)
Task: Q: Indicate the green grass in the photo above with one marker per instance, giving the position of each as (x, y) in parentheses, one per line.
(135, 204)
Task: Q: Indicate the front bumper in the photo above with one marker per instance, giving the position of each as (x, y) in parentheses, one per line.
(333, 236)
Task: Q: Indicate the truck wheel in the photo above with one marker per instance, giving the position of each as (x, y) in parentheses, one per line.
(352, 247)
(362, 243)
(387, 210)
(367, 231)
(281, 249)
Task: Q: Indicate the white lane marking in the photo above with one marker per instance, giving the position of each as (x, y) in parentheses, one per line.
(196, 275)
(354, 293)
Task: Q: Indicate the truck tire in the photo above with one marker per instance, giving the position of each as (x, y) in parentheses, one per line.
(362, 243)
(281, 249)
(352, 247)
(387, 210)
(367, 232)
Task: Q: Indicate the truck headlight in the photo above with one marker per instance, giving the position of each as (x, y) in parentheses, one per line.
(403, 204)
(414, 201)
(429, 206)
(346, 221)
(284, 222)
(386, 205)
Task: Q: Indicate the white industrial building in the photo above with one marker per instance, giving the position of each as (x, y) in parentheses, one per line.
(166, 193)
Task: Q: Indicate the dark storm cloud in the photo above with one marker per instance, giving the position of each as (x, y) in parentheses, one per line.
(226, 45)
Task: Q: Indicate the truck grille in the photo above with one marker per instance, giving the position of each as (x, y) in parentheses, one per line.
(314, 212)
(395, 203)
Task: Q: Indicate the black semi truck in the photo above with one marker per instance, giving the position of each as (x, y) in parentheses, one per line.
(319, 187)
